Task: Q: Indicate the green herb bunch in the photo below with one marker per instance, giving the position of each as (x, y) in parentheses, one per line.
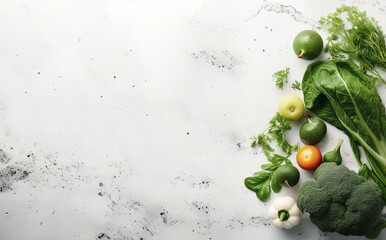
(356, 37)
(262, 182)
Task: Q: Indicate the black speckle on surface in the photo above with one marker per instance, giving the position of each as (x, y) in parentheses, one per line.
(222, 61)
(164, 215)
(204, 183)
(258, 220)
(4, 158)
(103, 236)
(9, 175)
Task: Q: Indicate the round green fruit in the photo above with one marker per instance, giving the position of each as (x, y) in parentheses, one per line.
(287, 174)
(308, 44)
(312, 131)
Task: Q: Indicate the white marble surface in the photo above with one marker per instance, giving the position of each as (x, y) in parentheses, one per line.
(132, 119)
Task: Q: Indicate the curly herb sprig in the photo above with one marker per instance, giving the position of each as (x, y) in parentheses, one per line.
(361, 40)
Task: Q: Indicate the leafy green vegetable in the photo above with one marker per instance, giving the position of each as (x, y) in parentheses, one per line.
(276, 131)
(362, 40)
(278, 127)
(263, 181)
(281, 77)
(264, 141)
(341, 94)
(296, 85)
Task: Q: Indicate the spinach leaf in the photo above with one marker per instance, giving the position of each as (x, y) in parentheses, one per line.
(341, 94)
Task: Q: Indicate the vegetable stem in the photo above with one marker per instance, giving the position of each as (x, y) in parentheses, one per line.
(301, 54)
(283, 215)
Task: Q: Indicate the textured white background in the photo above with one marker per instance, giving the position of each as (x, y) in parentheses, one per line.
(134, 118)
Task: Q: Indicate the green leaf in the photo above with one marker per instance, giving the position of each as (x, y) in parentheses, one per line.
(277, 159)
(269, 167)
(254, 141)
(275, 185)
(263, 140)
(264, 191)
(277, 129)
(288, 162)
(296, 85)
(252, 183)
(281, 77)
(263, 175)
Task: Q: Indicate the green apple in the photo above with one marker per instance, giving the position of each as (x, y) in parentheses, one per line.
(291, 107)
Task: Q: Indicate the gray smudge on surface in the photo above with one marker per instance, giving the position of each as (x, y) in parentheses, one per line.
(9, 175)
(286, 9)
(222, 61)
(4, 157)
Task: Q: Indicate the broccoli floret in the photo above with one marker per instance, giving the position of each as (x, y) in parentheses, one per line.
(339, 200)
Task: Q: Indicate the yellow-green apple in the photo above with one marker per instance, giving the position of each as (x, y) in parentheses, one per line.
(291, 107)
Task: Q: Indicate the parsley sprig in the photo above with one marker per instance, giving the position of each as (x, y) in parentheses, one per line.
(278, 127)
(281, 77)
(296, 85)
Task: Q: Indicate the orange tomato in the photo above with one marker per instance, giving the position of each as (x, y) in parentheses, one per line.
(309, 157)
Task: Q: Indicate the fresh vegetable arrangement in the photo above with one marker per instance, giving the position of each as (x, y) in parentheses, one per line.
(342, 92)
